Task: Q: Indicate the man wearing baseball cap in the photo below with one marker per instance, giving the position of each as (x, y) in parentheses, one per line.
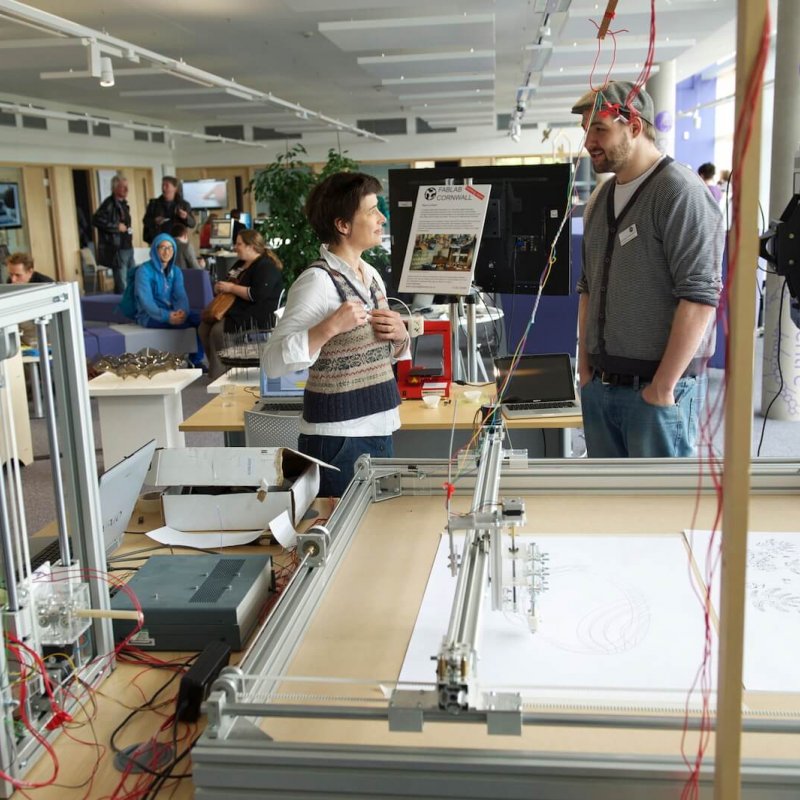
(652, 254)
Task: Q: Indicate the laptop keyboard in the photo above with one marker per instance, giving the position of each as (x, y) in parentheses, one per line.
(538, 406)
(281, 407)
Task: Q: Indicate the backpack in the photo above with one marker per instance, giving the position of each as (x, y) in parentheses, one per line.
(127, 304)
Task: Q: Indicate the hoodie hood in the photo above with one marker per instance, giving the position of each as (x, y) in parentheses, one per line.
(154, 257)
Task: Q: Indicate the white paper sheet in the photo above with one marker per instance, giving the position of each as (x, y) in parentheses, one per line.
(620, 620)
(205, 540)
(772, 610)
(283, 531)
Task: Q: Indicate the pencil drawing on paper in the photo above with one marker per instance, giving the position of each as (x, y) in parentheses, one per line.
(772, 567)
(616, 621)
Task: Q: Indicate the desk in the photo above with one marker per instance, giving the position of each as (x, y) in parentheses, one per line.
(17, 396)
(357, 635)
(135, 410)
(425, 432)
(126, 687)
(31, 363)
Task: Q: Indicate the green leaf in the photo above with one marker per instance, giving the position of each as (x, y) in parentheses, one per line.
(284, 185)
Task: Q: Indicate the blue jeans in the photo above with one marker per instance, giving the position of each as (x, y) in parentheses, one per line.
(122, 260)
(342, 452)
(192, 321)
(618, 423)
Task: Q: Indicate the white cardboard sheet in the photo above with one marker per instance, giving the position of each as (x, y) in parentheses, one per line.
(772, 610)
(204, 540)
(619, 621)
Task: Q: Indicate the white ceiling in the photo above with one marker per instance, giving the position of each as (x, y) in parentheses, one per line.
(454, 63)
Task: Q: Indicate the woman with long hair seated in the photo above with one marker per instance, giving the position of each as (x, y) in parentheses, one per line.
(256, 282)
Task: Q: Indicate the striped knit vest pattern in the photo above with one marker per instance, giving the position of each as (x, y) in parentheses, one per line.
(352, 377)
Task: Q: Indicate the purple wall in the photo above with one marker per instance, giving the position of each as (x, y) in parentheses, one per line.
(699, 147)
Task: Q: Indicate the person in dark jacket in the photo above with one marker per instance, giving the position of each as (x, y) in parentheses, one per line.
(163, 212)
(115, 242)
(21, 272)
(256, 281)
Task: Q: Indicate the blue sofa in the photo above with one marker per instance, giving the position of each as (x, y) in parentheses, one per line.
(108, 332)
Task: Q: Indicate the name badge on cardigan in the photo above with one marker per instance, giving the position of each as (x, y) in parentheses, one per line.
(628, 235)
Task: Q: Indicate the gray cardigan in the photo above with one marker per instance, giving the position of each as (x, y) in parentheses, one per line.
(675, 254)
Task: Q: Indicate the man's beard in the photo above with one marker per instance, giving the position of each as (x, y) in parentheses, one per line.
(614, 159)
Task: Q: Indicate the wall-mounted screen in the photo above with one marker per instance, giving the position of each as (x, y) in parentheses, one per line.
(205, 194)
(10, 211)
(526, 205)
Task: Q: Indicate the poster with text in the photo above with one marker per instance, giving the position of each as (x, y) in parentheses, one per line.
(443, 242)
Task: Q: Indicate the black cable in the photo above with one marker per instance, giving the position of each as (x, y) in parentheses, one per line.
(780, 372)
(166, 774)
(145, 707)
(544, 443)
(494, 321)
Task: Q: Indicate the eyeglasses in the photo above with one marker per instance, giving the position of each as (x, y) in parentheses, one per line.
(165, 247)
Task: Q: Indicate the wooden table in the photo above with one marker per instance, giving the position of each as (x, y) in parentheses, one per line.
(425, 432)
(127, 687)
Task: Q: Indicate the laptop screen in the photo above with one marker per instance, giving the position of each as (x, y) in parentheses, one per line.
(537, 378)
(290, 385)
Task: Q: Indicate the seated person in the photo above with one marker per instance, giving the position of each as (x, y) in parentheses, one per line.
(21, 271)
(236, 215)
(257, 288)
(205, 232)
(161, 300)
(185, 257)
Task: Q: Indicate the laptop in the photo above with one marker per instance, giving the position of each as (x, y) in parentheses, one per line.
(542, 385)
(283, 395)
(119, 490)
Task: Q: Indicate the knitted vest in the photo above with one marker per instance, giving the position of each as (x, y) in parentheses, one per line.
(352, 377)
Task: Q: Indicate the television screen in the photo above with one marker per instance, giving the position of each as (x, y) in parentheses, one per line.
(10, 212)
(206, 194)
(526, 205)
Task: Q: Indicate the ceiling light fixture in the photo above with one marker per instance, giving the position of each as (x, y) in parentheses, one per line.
(106, 72)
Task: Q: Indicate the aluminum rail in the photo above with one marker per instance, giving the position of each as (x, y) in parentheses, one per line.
(473, 716)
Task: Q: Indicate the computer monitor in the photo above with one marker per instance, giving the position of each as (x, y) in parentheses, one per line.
(221, 233)
(246, 219)
(526, 205)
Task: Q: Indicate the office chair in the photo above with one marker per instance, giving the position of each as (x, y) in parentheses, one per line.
(96, 278)
(277, 429)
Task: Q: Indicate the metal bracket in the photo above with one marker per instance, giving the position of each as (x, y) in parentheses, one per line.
(407, 709)
(503, 713)
(385, 487)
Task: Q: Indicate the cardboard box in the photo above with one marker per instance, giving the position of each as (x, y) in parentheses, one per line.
(261, 483)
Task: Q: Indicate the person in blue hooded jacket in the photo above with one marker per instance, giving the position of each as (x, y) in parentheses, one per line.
(161, 300)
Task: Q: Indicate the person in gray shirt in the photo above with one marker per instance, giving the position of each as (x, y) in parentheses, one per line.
(650, 284)
(185, 257)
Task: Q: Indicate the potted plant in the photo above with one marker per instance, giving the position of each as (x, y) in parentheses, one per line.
(284, 185)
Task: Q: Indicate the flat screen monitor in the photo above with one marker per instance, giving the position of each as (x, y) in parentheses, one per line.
(205, 194)
(246, 219)
(526, 205)
(221, 233)
(10, 213)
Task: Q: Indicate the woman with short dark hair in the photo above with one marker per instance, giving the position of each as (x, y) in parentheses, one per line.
(256, 282)
(337, 323)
